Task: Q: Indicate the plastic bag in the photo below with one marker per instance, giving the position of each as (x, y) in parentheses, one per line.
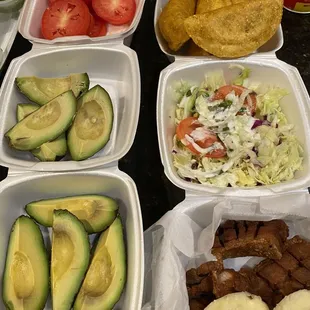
(183, 238)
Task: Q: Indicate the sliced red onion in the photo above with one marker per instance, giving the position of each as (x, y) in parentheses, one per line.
(259, 122)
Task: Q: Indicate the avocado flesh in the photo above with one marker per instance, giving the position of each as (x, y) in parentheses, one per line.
(45, 124)
(94, 211)
(106, 276)
(70, 258)
(24, 109)
(52, 151)
(43, 90)
(92, 125)
(49, 151)
(26, 273)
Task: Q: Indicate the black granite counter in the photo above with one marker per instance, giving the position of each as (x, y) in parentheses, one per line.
(142, 163)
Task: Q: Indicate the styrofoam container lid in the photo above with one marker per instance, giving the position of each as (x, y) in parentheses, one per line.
(112, 183)
(268, 70)
(8, 31)
(273, 45)
(30, 26)
(114, 67)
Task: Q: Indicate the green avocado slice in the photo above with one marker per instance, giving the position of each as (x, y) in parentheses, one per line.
(106, 276)
(92, 125)
(70, 258)
(26, 273)
(43, 90)
(94, 211)
(45, 124)
(49, 151)
(24, 109)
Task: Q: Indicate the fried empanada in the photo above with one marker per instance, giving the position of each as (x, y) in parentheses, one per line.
(236, 30)
(171, 22)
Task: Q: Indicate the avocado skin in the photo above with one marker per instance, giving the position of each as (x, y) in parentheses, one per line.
(40, 299)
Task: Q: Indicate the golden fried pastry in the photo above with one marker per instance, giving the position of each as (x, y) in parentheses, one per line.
(204, 6)
(171, 22)
(236, 30)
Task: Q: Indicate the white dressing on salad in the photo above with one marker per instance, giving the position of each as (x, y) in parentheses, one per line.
(257, 148)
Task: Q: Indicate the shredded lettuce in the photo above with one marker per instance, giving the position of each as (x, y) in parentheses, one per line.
(243, 76)
(269, 105)
(267, 153)
(214, 80)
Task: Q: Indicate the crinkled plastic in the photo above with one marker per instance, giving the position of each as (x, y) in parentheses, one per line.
(183, 238)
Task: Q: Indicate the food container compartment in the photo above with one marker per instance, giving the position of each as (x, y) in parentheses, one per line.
(10, 6)
(180, 239)
(8, 30)
(30, 26)
(267, 70)
(273, 45)
(114, 67)
(17, 191)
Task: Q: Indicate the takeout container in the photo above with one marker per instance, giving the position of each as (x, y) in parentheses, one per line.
(268, 70)
(19, 189)
(182, 239)
(114, 67)
(273, 45)
(8, 30)
(10, 6)
(30, 26)
(265, 68)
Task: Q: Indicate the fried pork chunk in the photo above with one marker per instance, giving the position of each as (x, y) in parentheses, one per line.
(246, 238)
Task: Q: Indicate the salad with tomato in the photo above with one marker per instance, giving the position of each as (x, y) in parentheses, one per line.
(233, 134)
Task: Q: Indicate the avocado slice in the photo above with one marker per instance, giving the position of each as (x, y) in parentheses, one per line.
(70, 258)
(43, 90)
(94, 211)
(92, 125)
(24, 109)
(45, 124)
(49, 151)
(52, 151)
(26, 273)
(106, 276)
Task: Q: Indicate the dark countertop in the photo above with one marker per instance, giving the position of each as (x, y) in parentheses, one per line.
(142, 163)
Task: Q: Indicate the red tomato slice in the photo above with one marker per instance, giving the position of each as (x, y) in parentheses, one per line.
(187, 126)
(65, 18)
(223, 91)
(115, 12)
(87, 2)
(97, 27)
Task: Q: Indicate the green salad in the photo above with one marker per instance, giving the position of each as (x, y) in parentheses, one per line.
(233, 134)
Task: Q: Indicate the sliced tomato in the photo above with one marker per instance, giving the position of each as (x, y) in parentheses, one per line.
(87, 2)
(115, 12)
(97, 27)
(223, 91)
(65, 18)
(187, 126)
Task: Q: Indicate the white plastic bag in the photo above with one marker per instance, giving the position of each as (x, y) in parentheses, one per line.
(183, 238)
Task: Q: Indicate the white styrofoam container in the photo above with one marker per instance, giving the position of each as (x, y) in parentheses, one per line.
(8, 31)
(30, 26)
(114, 67)
(266, 69)
(19, 189)
(273, 45)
